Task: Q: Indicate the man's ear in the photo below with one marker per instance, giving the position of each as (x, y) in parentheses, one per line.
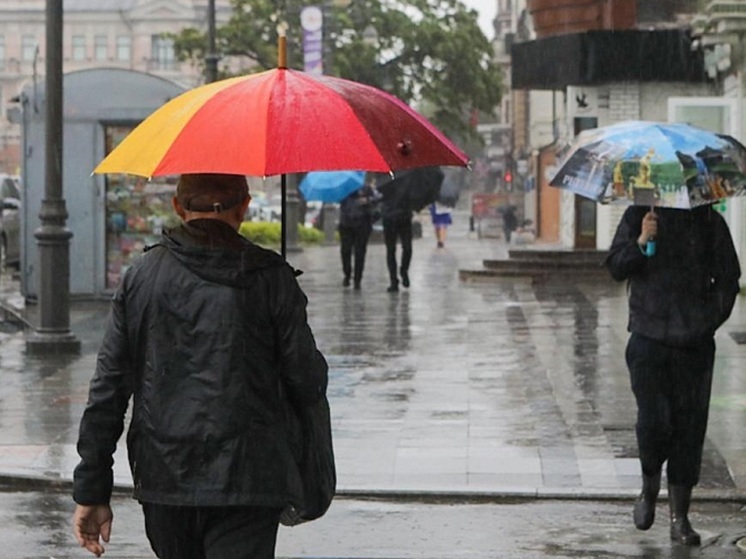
(178, 208)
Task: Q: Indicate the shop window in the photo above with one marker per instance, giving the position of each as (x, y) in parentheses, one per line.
(137, 211)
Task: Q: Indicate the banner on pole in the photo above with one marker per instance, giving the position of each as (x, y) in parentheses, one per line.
(312, 23)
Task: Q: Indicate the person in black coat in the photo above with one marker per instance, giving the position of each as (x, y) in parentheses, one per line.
(679, 295)
(357, 212)
(208, 335)
(396, 218)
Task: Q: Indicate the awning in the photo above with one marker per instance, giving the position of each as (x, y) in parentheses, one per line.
(597, 57)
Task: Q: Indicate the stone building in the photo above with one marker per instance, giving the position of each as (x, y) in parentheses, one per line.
(122, 34)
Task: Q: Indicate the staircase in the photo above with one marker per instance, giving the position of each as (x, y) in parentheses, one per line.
(541, 264)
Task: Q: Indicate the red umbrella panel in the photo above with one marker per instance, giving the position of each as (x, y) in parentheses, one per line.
(281, 121)
(277, 122)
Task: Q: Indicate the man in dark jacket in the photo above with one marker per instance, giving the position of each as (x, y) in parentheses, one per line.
(396, 218)
(678, 297)
(356, 217)
(208, 333)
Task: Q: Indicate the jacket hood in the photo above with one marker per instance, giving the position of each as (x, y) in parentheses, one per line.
(214, 251)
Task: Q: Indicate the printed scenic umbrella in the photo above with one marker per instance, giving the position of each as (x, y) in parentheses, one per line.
(277, 122)
(668, 165)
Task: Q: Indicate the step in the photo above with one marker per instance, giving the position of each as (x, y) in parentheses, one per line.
(558, 255)
(545, 264)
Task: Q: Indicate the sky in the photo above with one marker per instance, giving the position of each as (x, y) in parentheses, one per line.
(487, 10)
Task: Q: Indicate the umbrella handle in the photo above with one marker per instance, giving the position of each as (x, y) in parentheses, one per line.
(650, 246)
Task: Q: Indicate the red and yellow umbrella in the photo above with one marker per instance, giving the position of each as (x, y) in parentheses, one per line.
(281, 121)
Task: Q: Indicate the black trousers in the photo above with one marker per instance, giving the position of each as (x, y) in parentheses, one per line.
(353, 241)
(401, 230)
(211, 532)
(672, 387)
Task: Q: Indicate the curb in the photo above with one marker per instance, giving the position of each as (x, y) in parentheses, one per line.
(28, 482)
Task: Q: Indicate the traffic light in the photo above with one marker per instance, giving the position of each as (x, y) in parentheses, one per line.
(508, 177)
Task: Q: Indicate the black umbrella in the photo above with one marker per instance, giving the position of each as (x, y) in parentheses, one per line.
(412, 189)
(449, 191)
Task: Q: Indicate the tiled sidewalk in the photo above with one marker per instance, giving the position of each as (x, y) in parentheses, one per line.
(503, 388)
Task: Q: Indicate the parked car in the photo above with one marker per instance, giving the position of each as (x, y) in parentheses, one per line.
(10, 220)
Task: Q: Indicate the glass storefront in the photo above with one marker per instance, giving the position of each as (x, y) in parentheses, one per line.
(137, 210)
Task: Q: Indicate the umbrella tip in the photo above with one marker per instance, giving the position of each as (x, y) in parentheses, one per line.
(282, 56)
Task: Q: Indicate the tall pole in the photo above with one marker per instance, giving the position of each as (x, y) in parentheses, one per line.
(211, 60)
(53, 238)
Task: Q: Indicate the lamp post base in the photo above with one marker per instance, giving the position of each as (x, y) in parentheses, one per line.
(52, 343)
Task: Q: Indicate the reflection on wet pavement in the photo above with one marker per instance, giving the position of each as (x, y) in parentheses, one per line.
(511, 386)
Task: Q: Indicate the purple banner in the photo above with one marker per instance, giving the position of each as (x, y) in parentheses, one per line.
(312, 22)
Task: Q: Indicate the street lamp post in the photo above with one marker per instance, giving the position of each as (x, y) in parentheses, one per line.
(53, 238)
(211, 59)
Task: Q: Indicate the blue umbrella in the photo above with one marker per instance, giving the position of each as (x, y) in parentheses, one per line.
(331, 186)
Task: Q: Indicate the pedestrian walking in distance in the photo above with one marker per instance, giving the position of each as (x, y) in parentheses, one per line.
(440, 215)
(356, 217)
(396, 217)
(208, 337)
(678, 297)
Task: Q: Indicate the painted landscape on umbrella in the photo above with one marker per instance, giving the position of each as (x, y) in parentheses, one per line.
(632, 171)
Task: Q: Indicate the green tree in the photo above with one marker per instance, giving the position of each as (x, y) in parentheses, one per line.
(429, 53)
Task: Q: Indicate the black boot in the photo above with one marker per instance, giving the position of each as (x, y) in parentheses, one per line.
(679, 497)
(644, 513)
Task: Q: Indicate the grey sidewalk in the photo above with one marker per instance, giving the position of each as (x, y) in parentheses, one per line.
(448, 388)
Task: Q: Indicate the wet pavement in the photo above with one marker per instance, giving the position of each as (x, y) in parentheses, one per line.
(449, 390)
(36, 524)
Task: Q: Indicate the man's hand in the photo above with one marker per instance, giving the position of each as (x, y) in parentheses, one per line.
(91, 522)
(649, 228)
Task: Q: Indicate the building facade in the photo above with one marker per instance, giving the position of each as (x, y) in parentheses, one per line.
(122, 34)
(613, 60)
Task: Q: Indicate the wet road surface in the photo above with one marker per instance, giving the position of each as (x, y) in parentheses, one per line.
(37, 525)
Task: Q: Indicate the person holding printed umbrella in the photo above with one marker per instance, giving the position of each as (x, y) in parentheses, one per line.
(678, 297)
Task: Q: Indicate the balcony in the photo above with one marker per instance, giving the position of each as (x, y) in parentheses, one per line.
(597, 57)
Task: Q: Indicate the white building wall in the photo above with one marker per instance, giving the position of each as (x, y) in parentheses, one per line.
(624, 103)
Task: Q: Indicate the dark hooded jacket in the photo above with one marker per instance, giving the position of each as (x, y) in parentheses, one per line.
(208, 333)
(683, 293)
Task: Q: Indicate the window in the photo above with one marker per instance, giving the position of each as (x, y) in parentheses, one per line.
(163, 53)
(78, 47)
(124, 48)
(2, 52)
(100, 47)
(28, 48)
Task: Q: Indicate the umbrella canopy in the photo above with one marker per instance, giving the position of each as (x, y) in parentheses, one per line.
(331, 186)
(413, 189)
(450, 191)
(655, 164)
(277, 122)
(281, 121)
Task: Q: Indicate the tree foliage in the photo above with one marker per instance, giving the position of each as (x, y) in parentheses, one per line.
(429, 53)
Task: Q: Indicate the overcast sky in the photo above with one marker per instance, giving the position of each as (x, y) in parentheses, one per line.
(487, 10)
